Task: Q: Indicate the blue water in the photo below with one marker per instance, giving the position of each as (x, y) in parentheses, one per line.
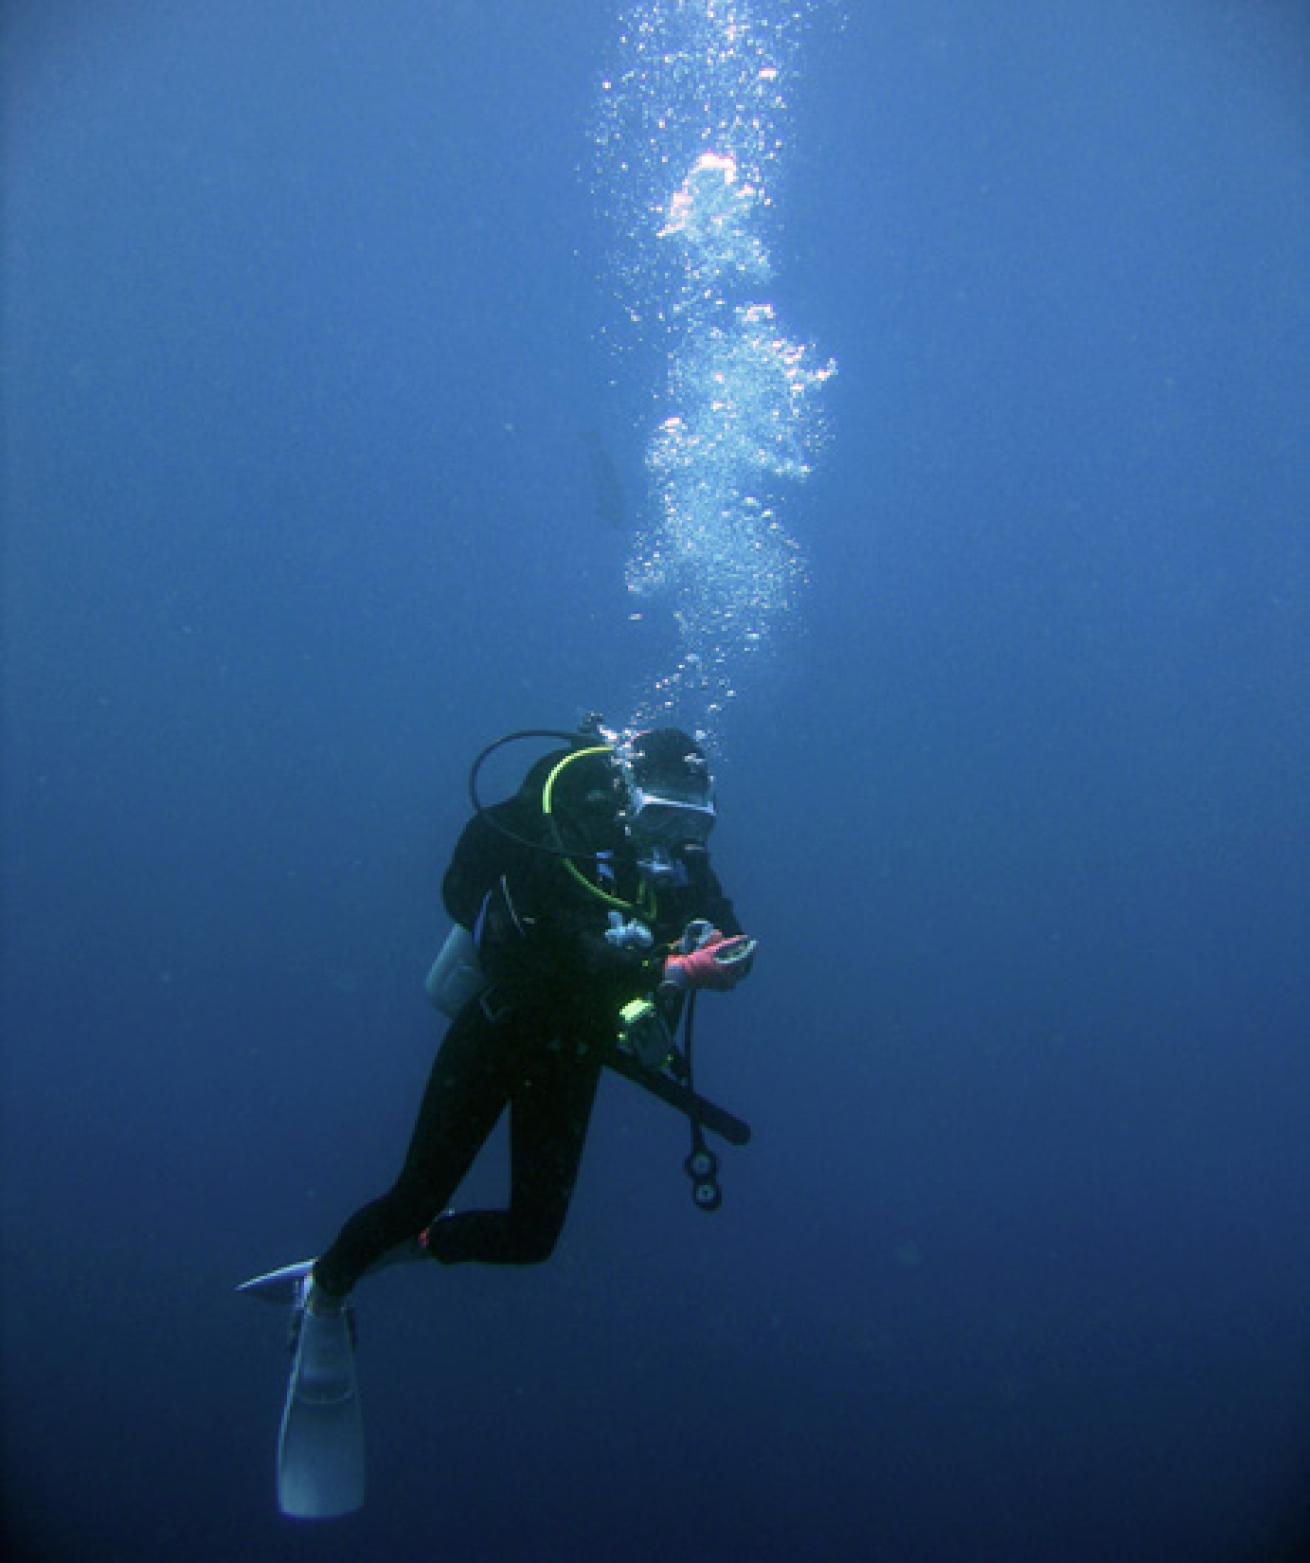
(304, 352)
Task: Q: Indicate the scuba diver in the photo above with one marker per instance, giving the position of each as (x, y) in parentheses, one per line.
(586, 920)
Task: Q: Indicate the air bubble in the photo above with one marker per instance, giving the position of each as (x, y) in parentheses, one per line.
(688, 152)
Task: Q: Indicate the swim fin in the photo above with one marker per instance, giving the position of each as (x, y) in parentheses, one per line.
(320, 1450)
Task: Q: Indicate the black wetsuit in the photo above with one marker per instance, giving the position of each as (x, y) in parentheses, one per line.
(534, 1041)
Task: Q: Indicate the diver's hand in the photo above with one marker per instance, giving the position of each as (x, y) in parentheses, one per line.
(717, 963)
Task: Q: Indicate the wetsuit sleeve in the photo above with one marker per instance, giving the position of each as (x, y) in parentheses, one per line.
(723, 915)
(482, 855)
(474, 867)
(705, 898)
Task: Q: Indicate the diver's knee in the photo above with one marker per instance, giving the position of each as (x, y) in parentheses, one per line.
(534, 1249)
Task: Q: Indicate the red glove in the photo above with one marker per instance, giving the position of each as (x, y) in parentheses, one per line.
(718, 963)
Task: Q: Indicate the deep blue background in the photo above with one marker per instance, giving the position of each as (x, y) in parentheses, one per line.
(299, 305)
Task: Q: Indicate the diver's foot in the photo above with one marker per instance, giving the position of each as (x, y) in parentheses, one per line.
(313, 1300)
(317, 1300)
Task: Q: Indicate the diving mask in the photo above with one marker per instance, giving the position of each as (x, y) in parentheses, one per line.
(662, 820)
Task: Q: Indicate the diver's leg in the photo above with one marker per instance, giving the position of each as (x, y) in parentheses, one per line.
(549, 1113)
(468, 1087)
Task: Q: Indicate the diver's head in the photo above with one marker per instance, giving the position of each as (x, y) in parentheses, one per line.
(669, 804)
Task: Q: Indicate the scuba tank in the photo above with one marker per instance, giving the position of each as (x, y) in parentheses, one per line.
(456, 976)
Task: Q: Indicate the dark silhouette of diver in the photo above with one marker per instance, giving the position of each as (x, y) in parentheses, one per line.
(586, 920)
